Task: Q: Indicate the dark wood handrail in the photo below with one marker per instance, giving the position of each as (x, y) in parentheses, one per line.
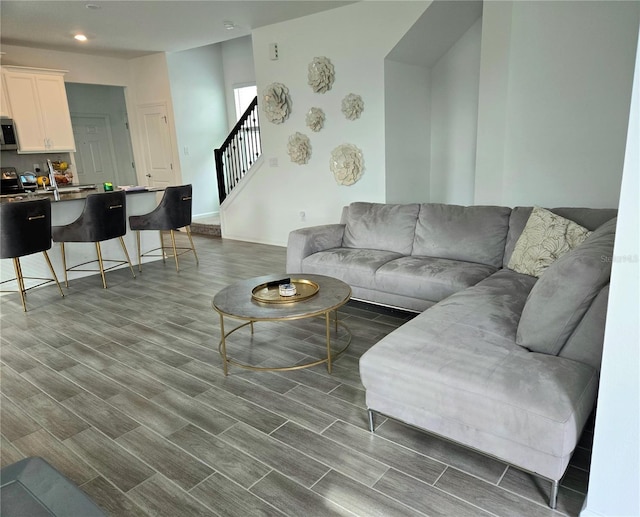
(239, 151)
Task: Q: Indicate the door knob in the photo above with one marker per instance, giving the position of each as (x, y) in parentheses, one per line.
(148, 175)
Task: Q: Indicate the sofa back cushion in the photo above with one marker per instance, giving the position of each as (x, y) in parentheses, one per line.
(562, 295)
(469, 233)
(381, 226)
(590, 218)
(586, 343)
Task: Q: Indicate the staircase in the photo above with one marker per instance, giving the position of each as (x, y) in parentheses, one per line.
(233, 160)
(239, 151)
(209, 226)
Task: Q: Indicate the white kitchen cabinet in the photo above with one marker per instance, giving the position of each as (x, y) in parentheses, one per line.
(38, 102)
(5, 111)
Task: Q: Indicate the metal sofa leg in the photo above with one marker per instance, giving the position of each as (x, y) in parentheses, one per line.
(371, 420)
(553, 497)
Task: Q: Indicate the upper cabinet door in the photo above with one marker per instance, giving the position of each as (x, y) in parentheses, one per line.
(55, 113)
(38, 102)
(5, 110)
(25, 107)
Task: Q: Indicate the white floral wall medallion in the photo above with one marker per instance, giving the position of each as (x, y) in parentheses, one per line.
(321, 74)
(299, 148)
(276, 103)
(315, 119)
(352, 106)
(347, 164)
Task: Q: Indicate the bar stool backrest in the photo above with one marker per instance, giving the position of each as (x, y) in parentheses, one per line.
(103, 218)
(173, 211)
(25, 227)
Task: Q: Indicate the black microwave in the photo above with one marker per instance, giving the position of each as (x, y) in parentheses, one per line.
(8, 138)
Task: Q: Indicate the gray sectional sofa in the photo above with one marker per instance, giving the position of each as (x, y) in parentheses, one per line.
(499, 361)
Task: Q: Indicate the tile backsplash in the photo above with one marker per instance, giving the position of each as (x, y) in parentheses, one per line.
(25, 162)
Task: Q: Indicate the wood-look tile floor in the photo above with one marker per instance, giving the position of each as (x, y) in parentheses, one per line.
(122, 390)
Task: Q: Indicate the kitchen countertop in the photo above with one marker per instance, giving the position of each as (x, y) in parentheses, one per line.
(69, 193)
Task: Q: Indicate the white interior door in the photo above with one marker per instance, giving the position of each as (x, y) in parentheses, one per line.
(94, 158)
(156, 144)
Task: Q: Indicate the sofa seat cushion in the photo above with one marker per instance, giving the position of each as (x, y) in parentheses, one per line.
(356, 267)
(456, 370)
(429, 278)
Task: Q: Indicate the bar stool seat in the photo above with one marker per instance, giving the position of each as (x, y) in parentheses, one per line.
(25, 228)
(172, 213)
(103, 218)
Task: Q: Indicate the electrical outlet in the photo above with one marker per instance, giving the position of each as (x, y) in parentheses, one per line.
(273, 162)
(303, 216)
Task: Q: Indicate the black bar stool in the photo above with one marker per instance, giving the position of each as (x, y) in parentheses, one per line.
(25, 228)
(173, 212)
(103, 218)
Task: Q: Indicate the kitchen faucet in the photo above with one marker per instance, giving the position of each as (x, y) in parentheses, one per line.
(52, 181)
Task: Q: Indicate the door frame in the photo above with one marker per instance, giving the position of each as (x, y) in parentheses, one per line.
(176, 172)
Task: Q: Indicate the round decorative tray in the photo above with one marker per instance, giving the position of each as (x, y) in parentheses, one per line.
(270, 294)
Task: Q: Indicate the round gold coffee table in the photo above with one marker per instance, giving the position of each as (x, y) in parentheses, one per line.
(249, 300)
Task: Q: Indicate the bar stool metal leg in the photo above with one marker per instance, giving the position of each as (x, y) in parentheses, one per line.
(64, 265)
(55, 277)
(126, 254)
(20, 280)
(175, 251)
(139, 253)
(162, 247)
(193, 248)
(99, 251)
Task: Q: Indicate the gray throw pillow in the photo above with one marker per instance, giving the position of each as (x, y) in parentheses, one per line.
(558, 301)
(381, 226)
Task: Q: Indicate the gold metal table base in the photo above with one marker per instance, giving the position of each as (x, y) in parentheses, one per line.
(331, 354)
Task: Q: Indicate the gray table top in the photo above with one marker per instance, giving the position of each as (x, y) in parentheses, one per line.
(235, 300)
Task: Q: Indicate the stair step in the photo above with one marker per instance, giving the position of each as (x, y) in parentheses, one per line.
(212, 230)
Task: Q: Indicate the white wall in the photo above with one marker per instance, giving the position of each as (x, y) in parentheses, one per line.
(555, 135)
(239, 70)
(454, 118)
(352, 38)
(198, 96)
(407, 132)
(492, 101)
(615, 463)
(82, 68)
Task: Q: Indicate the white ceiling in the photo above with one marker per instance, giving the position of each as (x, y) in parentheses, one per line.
(128, 29)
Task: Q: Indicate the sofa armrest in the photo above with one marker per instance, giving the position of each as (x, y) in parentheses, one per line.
(307, 241)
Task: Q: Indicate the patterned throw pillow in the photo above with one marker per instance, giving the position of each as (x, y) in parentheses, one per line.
(545, 238)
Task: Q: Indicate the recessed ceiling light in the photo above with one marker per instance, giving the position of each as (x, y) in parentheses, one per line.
(93, 6)
(80, 37)
(229, 25)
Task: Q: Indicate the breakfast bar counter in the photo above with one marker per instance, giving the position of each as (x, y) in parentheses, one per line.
(65, 210)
